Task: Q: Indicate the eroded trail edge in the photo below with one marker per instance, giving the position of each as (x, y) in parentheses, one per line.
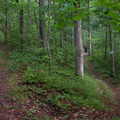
(113, 87)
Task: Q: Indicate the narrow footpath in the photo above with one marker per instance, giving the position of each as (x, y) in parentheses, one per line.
(113, 87)
(6, 112)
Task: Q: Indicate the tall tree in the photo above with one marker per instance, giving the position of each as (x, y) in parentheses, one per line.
(78, 43)
(48, 37)
(89, 32)
(22, 27)
(42, 30)
(112, 51)
(29, 15)
(106, 43)
(21, 19)
(6, 20)
(61, 38)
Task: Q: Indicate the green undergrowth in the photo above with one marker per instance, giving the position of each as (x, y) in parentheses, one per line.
(1, 36)
(59, 88)
(104, 69)
(3, 59)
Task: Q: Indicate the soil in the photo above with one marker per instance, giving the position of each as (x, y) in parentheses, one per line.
(5, 103)
(10, 109)
(112, 85)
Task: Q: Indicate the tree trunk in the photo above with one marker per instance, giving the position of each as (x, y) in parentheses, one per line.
(21, 19)
(29, 21)
(54, 3)
(79, 45)
(42, 30)
(106, 42)
(89, 32)
(48, 36)
(61, 38)
(72, 31)
(22, 27)
(6, 21)
(112, 52)
(29, 15)
(90, 43)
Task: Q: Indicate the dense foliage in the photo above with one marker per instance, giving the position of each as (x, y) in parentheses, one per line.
(46, 64)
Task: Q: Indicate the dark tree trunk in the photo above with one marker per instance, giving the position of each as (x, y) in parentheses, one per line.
(89, 32)
(61, 38)
(6, 21)
(106, 42)
(112, 52)
(22, 27)
(42, 30)
(54, 3)
(29, 21)
(48, 36)
(21, 19)
(29, 16)
(72, 31)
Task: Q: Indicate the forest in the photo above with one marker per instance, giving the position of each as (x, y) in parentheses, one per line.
(60, 59)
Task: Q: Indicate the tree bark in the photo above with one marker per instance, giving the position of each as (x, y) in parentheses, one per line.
(61, 38)
(21, 19)
(54, 3)
(48, 36)
(89, 32)
(29, 15)
(79, 49)
(106, 42)
(6, 21)
(29, 21)
(112, 51)
(79, 45)
(22, 27)
(90, 43)
(42, 30)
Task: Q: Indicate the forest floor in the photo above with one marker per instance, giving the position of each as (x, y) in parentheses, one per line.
(6, 112)
(113, 86)
(11, 110)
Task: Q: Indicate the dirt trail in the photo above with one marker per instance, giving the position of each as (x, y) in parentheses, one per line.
(6, 112)
(113, 87)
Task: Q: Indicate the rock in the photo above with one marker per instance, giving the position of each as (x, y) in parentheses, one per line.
(7, 106)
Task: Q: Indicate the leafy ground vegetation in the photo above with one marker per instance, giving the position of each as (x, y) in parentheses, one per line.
(42, 62)
(58, 94)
